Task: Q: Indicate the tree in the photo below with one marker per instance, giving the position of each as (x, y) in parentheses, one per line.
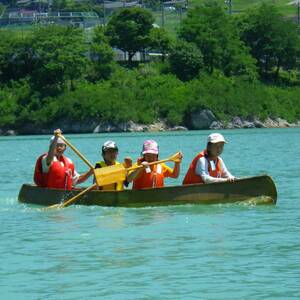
(51, 57)
(273, 40)
(160, 41)
(102, 56)
(186, 60)
(16, 56)
(129, 30)
(215, 34)
(59, 56)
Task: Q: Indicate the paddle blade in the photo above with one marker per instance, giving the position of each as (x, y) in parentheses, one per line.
(109, 175)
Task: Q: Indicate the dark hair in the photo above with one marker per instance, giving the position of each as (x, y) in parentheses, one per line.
(208, 145)
(103, 151)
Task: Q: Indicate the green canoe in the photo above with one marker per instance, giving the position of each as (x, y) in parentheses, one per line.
(259, 190)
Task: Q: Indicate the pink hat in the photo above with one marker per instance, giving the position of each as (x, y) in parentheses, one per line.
(150, 146)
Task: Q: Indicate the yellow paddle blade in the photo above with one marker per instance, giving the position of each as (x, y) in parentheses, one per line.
(109, 175)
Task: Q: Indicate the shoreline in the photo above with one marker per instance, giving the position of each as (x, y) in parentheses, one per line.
(196, 123)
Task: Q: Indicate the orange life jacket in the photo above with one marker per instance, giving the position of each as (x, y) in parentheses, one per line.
(152, 179)
(191, 177)
(59, 175)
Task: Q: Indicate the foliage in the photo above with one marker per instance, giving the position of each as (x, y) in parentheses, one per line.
(102, 56)
(129, 30)
(215, 34)
(160, 41)
(53, 75)
(273, 40)
(186, 60)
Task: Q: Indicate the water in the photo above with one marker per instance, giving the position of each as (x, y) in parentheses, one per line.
(231, 251)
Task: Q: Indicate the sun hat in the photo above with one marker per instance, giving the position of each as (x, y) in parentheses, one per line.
(216, 138)
(150, 146)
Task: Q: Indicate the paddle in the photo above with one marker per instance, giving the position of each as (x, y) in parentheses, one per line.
(73, 199)
(117, 173)
(75, 150)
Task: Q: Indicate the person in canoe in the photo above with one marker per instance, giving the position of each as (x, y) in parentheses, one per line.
(152, 176)
(55, 170)
(208, 166)
(110, 153)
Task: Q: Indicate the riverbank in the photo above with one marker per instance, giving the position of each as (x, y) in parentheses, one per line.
(203, 120)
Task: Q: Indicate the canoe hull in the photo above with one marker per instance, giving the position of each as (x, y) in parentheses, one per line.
(241, 190)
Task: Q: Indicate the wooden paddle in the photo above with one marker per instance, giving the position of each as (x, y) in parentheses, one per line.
(116, 173)
(73, 199)
(75, 150)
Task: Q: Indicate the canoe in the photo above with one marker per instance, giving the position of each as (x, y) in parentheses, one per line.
(260, 189)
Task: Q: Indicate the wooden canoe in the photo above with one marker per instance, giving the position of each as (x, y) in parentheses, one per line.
(261, 188)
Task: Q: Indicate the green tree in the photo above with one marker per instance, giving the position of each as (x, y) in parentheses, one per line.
(16, 56)
(59, 57)
(215, 34)
(102, 56)
(186, 60)
(273, 40)
(160, 41)
(52, 57)
(129, 30)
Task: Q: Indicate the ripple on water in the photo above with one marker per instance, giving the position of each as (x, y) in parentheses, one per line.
(227, 251)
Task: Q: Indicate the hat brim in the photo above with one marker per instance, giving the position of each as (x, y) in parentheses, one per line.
(150, 152)
(219, 141)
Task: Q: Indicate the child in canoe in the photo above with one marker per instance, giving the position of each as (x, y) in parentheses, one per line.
(152, 176)
(208, 166)
(109, 153)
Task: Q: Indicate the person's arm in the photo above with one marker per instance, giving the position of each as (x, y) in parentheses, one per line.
(51, 151)
(225, 172)
(136, 173)
(202, 170)
(77, 179)
(176, 170)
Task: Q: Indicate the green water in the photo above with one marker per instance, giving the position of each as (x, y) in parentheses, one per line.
(232, 251)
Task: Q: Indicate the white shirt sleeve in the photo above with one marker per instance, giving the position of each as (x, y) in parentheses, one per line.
(225, 172)
(75, 178)
(202, 170)
(45, 167)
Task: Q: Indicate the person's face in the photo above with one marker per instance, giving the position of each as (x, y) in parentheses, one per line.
(110, 155)
(60, 149)
(216, 149)
(150, 157)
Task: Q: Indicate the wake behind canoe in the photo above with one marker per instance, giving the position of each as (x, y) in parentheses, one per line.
(225, 192)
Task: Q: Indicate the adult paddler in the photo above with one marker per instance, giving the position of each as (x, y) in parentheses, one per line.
(55, 170)
(110, 153)
(208, 166)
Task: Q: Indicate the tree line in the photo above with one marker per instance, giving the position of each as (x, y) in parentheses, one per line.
(245, 65)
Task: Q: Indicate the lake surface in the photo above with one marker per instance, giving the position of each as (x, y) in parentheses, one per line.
(232, 251)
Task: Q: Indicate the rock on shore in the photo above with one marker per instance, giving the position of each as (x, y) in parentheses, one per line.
(203, 119)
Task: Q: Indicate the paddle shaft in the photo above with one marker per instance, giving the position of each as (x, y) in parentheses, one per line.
(151, 164)
(76, 151)
(73, 199)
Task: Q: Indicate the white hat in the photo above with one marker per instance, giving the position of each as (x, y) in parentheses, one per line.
(59, 140)
(110, 145)
(216, 138)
